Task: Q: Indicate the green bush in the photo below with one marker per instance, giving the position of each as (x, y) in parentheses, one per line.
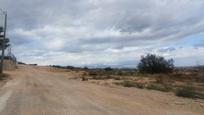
(155, 64)
(187, 91)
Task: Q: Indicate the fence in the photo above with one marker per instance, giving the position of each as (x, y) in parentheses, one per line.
(10, 60)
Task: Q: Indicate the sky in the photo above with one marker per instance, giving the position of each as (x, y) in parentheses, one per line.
(98, 33)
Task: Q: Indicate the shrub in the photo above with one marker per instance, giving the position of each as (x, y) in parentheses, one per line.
(70, 67)
(102, 77)
(187, 91)
(155, 64)
(117, 78)
(84, 79)
(97, 77)
(132, 84)
(127, 84)
(119, 73)
(85, 68)
(159, 87)
(93, 73)
(108, 69)
(139, 85)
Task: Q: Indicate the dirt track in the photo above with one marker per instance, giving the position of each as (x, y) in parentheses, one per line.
(33, 91)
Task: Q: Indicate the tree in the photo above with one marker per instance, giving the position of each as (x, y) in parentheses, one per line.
(152, 63)
(108, 69)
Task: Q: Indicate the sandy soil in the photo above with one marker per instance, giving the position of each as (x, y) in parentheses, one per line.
(35, 91)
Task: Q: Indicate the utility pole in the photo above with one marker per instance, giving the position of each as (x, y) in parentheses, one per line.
(3, 42)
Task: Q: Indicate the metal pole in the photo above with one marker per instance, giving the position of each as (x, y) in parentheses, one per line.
(3, 44)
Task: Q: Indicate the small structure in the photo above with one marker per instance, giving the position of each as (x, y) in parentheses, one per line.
(10, 61)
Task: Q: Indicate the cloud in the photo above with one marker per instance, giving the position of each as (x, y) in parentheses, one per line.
(169, 49)
(99, 32)
(199, 44)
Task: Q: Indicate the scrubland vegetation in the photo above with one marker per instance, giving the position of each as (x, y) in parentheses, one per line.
(155, 73)
(152, 73)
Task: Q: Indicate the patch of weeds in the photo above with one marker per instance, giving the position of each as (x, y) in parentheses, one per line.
(102, 77)
(96, 78)
(159, 87)
(109, 77)
(199, 95)
(187, 91)
(84, 79)
(117, 78)
(140, 85)
(92, 73)
(128, 84)
(3, 76)
(120, 73)
(132, 84)
(117, 83)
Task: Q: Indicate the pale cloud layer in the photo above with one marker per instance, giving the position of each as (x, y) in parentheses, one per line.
(104, 32)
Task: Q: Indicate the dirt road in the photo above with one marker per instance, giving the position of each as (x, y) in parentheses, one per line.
(33, 91)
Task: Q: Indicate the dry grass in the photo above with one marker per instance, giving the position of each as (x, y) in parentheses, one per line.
(172, 82)
(131, 84)
(186, 91)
